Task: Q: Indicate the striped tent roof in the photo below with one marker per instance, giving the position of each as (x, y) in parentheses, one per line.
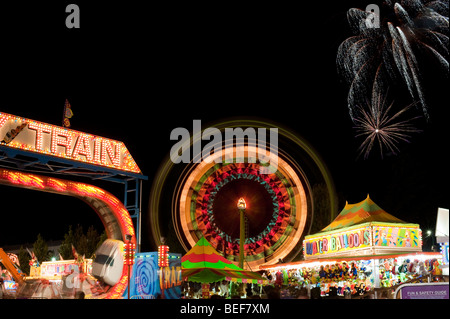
(212, 275)
(359, 213)
(203, 255)
(204, 264)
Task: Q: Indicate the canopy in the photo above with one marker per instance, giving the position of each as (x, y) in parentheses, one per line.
(359, 213)
(363, 229)
(204, 264)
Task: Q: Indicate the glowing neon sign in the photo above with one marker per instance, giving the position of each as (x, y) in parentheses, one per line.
(33, 136)
(338, 242)
(379, 236)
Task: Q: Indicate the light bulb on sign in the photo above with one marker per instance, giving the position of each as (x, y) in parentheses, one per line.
(241, 203)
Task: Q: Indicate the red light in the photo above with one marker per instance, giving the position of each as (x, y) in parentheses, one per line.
(163, 256)
(128, 253)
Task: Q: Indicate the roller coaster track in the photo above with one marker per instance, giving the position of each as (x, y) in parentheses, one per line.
(113, 214)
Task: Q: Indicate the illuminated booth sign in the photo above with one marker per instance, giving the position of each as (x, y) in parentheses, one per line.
(333, 243)
(366, 239)
(29, 135)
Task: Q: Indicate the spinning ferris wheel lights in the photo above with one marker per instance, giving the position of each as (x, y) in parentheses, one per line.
(241, 203)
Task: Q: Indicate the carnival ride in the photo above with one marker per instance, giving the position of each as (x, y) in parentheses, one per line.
(9, 265)
(279, 198)
(111, 211)
(280, 201)
(53, 150)
(108, 264)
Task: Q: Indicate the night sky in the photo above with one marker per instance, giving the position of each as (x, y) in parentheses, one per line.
(135, 73)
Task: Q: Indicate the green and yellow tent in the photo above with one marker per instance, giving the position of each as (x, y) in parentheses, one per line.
(360, 213)
(204, 264)
(363, 228)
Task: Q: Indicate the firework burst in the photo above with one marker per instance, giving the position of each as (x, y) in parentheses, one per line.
(380, 124)
(387, 54)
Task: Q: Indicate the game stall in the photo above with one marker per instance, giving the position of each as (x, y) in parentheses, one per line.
(362, 249)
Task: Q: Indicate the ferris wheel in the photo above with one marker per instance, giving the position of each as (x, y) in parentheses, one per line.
(279, 202)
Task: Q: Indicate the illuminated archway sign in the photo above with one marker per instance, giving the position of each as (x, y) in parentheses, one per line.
(38, 147)
(111, 211)
(38, 137)
(80, 154)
